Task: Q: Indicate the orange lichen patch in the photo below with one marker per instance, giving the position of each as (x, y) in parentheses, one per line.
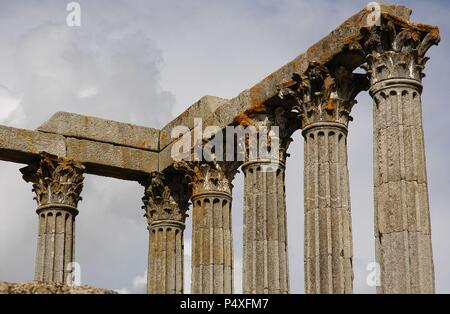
(257, 96)
(403, 23)
(312, 50)
(330, 105)
(297, 63)
(322, 53)
(163, 136)
(257, 105)
(406, 24)
(243, 119)
(258, 108)
(143, 144)
(358, 18)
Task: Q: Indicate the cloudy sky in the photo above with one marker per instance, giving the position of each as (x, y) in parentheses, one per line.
(144, 62)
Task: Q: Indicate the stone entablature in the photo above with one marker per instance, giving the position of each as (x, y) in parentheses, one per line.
(148, 149)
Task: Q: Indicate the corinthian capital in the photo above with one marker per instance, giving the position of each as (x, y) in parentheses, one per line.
(204, 177)
(55, 180)
(396, 48)
(271, 131)
(324, 95)
(166, 197)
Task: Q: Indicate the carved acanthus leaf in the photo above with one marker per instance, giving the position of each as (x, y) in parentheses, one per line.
(55, 180)
(396, 48)
(323, 95)
(166, 197)
(206, 177)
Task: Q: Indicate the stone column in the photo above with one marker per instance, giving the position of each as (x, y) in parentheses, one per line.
(325, 98)
(166, 201)
(395, 61)
(266, 265)
(57, 183)
(212, 240)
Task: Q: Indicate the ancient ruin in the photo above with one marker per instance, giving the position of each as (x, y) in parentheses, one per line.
(313, 93)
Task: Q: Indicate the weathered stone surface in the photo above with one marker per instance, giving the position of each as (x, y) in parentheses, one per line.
(101, 130)
(402, 224)
(223, 112)
(165, 158)
(56, 180)
(123, 162)
(395, 63)
(325, 97)
(111, 160)
(314, 92)
(165, 258)
(19, 145)
(166, 201)
(204, 109)
(45, 288)
(266, 266)
(322, 52)
(212, 242)
(328, 230)
(58, 183)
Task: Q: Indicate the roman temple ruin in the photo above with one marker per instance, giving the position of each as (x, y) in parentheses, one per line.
(313, 93)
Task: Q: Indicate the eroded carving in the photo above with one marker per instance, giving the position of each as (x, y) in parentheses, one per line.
(206, 177)
(56, 180)
(324, 95)
(166, 197)
(396, 48)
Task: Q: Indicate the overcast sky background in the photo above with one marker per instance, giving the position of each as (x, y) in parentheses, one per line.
(145, 62)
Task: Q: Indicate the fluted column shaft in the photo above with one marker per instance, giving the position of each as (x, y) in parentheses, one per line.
(212, 243)
(395, 54)
(328, 231)
(55, 247)
(325, 98)
(166, 260)
(402, 215)
(165, 201)
(57, 183)
(266, 268)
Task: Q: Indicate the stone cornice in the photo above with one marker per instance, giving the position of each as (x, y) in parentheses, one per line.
(137, 151)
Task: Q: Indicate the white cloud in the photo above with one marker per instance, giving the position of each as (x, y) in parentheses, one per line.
(139, 285)
(9, 102)
(86, 92)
